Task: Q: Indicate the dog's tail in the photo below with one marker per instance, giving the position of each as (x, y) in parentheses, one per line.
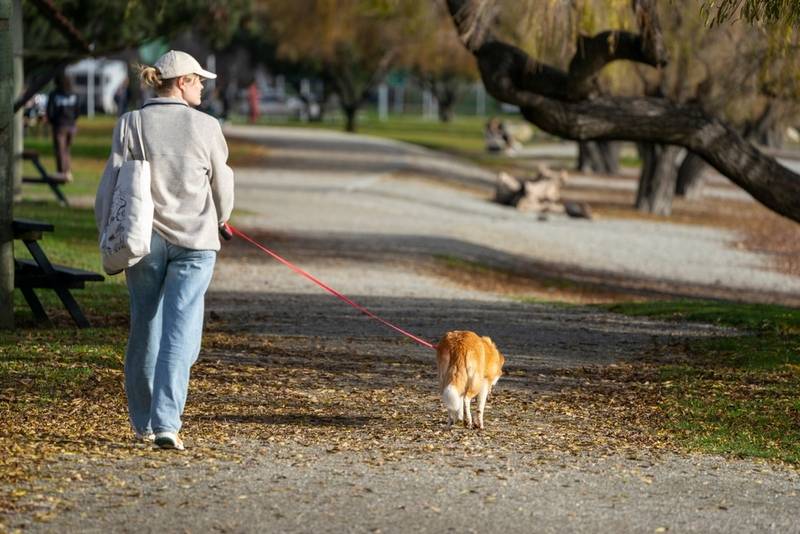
(453, 401)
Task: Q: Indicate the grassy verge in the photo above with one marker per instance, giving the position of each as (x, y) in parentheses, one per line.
(40, 365)
(736, 394)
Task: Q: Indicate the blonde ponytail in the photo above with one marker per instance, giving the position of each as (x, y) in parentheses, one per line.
(152, 77)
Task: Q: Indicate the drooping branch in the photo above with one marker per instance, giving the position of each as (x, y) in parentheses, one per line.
(650, 31)
(593, 53)
(473, 22)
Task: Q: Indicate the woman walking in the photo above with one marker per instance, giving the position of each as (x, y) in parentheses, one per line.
(192, 190)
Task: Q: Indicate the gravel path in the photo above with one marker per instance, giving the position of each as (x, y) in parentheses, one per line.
(347, 209)
(308, 490)
(366, 193)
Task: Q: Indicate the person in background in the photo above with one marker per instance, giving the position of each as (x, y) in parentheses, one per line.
(252, 99)
(498, 138)
(62, 114)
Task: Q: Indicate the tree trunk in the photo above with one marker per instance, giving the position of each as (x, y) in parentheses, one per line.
(446, 110)
(767, 129)
(350, 116)
(447, 96)
(588, 157)
(601, 157)
(657, 180)
(690, 177)
(6, 175)
(17, 43)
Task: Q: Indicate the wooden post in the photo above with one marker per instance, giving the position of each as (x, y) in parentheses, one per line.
(6, 162)
(17, 44)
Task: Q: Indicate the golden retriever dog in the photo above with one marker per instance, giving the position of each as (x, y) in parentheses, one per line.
(469, 366)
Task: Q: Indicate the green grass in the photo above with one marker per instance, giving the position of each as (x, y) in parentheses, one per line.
(53, 364)
(735, 394)
(56, 362)
(753, 317)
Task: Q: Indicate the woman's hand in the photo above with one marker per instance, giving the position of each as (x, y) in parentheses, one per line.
(225, 232)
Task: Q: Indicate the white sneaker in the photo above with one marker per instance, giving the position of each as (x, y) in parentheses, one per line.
(147, 437)
(168, 440)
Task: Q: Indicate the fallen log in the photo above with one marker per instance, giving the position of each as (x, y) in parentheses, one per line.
(540, 193)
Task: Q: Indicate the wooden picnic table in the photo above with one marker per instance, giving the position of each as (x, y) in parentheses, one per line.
(41, 273)
(53, 180)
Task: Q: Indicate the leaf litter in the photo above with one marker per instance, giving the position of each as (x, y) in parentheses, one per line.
(247, 387)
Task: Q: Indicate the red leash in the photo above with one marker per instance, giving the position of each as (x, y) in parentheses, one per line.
(235, 231)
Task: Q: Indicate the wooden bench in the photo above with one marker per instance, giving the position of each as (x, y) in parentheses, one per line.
(39, 273)
(54, 181)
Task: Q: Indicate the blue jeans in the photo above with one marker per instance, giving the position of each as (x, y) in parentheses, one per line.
(167, 296)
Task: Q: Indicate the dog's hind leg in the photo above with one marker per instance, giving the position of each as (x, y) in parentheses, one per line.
(453, 402)
(467, 412)
(482, 403)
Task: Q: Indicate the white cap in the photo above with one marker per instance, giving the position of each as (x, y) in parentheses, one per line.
(176, 63)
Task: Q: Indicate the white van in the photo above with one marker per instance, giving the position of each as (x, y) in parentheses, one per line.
(109, 76)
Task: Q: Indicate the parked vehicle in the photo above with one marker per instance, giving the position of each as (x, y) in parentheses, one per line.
(271, 105)
(110, 76)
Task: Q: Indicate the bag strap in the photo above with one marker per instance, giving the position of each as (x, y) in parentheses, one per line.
(138, 121)
(125, 140)
(134, 123)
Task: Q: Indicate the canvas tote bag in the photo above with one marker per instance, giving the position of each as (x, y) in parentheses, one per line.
(126, 237)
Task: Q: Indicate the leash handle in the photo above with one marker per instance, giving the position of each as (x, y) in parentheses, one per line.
(323, 285)
(225, 232)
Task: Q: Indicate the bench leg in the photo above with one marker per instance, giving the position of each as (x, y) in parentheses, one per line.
(72, 307)
(36, 306)
(62, 292)
(54, 186)
(57, 190)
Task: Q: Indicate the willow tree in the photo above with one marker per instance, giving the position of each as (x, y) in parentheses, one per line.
(739, 72)
(735, 72)
(565, 101)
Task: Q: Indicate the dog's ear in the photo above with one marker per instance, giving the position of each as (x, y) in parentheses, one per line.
(488, 340)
